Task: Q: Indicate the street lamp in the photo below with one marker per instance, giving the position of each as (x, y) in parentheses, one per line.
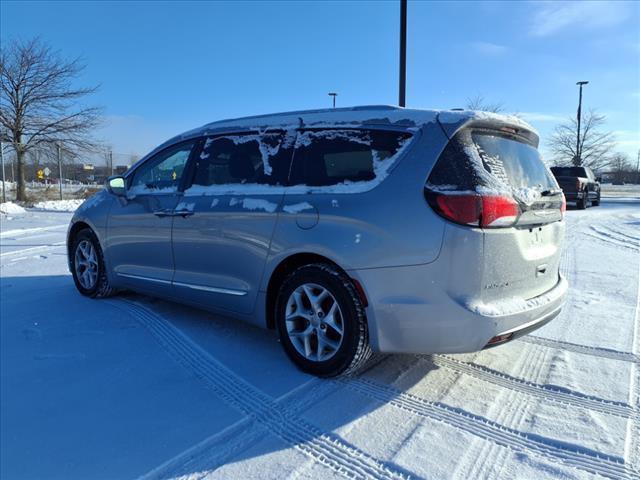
(402, 80)
(578, 160)
(334, 95)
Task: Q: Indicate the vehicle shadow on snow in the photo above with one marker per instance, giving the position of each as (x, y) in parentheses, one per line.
(99, 386)
(286, 408)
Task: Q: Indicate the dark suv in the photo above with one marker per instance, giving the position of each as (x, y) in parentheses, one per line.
(579, 185)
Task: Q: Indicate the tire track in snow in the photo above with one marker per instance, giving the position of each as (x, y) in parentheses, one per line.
(222, 447)
(26, 232)
(632, 437)
(615, 234)
(543, 392)
(325, 448)
(494, 457)
(609, 240)
(582, 349)
(35, 248)
(576, 456)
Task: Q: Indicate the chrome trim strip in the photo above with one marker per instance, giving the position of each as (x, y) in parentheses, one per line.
(149, 279)
(226, 291)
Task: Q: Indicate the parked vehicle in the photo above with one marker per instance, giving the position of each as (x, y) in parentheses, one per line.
(348, 230)
(579, 185)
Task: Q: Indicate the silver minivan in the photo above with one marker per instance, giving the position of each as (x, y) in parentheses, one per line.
(348, 230)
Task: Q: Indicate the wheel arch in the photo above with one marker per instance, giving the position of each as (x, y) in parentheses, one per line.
(287, 266)
(73, 231)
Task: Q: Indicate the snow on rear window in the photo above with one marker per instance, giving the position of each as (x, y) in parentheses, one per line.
(490, 163)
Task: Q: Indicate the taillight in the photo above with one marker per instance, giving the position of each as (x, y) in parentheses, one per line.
(487, 211)
(578, 185)
(563, 205)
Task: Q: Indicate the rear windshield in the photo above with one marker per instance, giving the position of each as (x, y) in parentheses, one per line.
(486, 161)
(569, 171)
(513, 162)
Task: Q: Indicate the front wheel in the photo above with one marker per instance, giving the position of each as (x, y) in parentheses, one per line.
(596, 202)
(88, 270)
(321, 321)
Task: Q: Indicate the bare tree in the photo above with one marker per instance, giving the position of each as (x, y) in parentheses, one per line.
(620, 167)
(479, 103)
(39, 103)
(595, 145)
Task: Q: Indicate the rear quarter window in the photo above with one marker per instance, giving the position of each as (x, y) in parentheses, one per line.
(358, 158)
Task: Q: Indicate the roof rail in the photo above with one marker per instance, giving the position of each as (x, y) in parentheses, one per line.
(304, 112)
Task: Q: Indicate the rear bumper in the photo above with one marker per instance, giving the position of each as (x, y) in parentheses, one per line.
(409, 313)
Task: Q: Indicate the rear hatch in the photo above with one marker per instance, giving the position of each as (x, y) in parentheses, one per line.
(493, 179)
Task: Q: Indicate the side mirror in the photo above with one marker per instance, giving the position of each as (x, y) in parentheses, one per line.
(599, 179)
(116, 185)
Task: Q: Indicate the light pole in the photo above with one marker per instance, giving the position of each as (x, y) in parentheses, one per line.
(334, 95)
(403, 54)
(578, 161)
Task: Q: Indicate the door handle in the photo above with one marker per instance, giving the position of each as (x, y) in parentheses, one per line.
(163, 213)
(183, 213)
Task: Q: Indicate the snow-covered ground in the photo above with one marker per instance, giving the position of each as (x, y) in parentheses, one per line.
(134, 386)
(59, 205)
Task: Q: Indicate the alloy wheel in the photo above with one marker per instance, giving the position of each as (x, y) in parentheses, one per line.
(314, 322)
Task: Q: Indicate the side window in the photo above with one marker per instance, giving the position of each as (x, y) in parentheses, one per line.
(243, 159)
(162, 173)
(332, 157)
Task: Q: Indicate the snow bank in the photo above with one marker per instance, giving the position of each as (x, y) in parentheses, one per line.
(10, 208)
(59, 205)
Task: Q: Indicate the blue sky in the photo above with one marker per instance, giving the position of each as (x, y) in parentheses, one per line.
(165, 67)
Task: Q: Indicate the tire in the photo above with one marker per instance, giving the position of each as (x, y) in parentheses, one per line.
(316, 346)
(596, 202)
(83, 260)
(582, 203)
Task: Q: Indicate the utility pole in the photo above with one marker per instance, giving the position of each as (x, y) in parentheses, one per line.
(403, 54)
(578, 160)
(60, 168)
(334, 95)
(4, 185)
(111, 161)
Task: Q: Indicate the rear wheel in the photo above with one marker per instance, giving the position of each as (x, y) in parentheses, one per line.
(582, 203)
(321, 321)
(88, 270)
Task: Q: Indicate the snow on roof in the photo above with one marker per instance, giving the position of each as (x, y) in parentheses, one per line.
(357, 116)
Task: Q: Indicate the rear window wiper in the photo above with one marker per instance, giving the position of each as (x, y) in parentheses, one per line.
(548, 193)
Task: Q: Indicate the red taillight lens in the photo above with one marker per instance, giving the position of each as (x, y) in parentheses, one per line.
(476, 210)
(460, 208)
(563, 206)
(578, 185)
(499, 211)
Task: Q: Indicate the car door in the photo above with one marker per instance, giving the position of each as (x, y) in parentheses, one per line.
(221, 246)
(139, 226)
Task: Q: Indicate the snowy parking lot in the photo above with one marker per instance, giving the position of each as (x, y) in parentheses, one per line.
(138, 387)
